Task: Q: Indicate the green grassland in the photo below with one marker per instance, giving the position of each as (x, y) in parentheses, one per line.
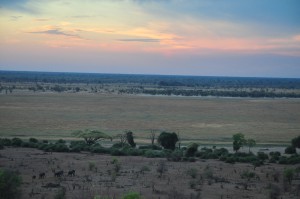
(205, 120)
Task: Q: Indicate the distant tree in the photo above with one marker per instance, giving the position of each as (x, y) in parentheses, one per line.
(250, 143)
(167, 140)
(296, 142)
(122, 139)
(238, 141)
(129, 138)
(179, 141)
(91, 136)
(152, 136)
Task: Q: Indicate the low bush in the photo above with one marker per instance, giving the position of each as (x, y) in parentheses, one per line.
(152, 147)
(120, 145)
(290, 150)
(191, 150)
(117, 152)
(192, 172)
(262, 156)
(60, 141)
(16, 142)
(10, 183)
(5, 142)
(33, 140)
(77, 146)
(29, 144)
(153, 154)
(132, 195)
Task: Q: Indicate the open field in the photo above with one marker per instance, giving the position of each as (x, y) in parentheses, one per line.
(204, 120)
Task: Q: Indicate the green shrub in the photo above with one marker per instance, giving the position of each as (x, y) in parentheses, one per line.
(176, 155)
(221, 151)
(42, 146)
(92, 166)
(10, 182)
(191, 149)
(5, 142)
(290, 150)
(29, 144)
(262, 156)
(120, 145)
(192, 172)
(282, 160)
(60, 141)
(153, 147)
(98, 149)
(61, 194)
(289, 174)
(192, 184)
(144, 169)
(132, 195)
(230, 160)
(192, 159)
(117, 152)
(55, 147)
(293, 159)
(153, 154)
(16, 142)
(33, 140)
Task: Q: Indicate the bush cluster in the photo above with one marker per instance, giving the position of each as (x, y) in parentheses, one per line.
(189, 153)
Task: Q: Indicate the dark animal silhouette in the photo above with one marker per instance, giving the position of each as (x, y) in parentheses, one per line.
(59, 173)
(71, 173)
(42, 175)
(33, 177)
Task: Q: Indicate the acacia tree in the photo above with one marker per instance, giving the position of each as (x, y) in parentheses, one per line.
(91, 136)
(250, 143)
(238, 141)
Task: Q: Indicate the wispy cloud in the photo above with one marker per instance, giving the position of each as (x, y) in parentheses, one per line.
(54, 32)
(41, 19)
(15, 18)
(139, 40)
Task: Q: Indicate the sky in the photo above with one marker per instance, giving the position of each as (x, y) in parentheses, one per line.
(254, 38)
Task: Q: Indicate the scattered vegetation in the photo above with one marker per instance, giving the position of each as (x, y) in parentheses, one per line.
(10, 183)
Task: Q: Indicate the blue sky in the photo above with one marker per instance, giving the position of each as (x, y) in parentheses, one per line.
(195, 37)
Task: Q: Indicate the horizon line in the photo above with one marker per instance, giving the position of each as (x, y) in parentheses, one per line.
(146, 74)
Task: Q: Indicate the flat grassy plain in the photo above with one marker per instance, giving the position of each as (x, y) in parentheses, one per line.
(204, 120)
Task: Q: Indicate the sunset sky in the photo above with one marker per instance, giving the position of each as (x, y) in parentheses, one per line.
(183, 37)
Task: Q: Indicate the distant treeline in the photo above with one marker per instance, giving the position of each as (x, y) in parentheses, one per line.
(259, 93)
(158, 80)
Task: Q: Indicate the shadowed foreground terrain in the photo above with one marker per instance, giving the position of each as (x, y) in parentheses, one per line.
(110, 176)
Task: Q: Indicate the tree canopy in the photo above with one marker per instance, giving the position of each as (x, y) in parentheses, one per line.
(91, 136)
(167, 140)
(296, 142)
(238, 141)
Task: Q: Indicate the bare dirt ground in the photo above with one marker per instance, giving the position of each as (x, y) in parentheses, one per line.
(95, 175)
